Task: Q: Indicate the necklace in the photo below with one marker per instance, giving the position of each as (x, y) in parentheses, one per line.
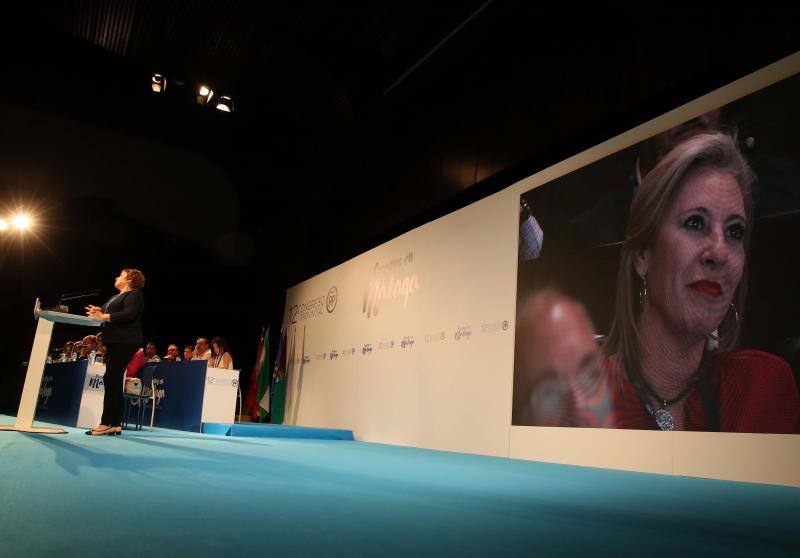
(664, 419)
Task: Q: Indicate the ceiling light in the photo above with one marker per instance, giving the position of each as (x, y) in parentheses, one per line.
(21, 221)
(204, 95)
(225, 104)
(158, 83)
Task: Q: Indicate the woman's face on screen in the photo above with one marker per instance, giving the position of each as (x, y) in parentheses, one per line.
(696, 262)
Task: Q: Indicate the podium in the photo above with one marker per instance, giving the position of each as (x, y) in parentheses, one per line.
(33, 376)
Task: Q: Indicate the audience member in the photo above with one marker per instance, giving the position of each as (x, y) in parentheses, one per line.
(101, 347)
(151, 352)
(221, 357)
(88, 344)
(201, 350)
(172, 353)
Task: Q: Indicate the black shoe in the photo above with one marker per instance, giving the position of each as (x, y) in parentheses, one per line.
(107, 431)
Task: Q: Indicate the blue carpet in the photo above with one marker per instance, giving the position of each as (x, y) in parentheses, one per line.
(168, 493)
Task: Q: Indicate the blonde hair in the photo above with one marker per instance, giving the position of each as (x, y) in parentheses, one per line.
(648, 211)
(135, 278)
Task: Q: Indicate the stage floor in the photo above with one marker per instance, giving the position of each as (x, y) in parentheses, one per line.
(169, 493)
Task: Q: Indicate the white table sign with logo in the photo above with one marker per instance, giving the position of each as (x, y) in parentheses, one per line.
(91, 409)
(219, 398)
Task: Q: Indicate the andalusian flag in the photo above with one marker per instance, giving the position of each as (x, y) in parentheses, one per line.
(279, 382)
(264, 376)
(254, 392)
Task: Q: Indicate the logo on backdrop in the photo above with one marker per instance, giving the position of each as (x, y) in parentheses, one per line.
(463, 333)
(45, 391)
(160, 393)
(389, 284)
(494, 327)
(96, 382)
(407, 342)
(334, 354)
(315, 307)
(333, 298)
(366, 349)
(386, 345)
(435, 337)
(222, 382)
(320, 356)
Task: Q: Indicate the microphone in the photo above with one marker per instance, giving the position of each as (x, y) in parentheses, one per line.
(59, 307)
(78, 295)
(531, 235)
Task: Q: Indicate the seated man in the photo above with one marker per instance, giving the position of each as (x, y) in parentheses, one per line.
(172, 353)
(188, 353)
(101, 347)
(88, 344)
(201, 350)
(151, 352)
(69, 349)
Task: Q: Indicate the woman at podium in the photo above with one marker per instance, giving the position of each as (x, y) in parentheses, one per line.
(122, 334)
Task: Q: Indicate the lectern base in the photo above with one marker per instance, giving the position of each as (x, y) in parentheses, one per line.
(34, 429)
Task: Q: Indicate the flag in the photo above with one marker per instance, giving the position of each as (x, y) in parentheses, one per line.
(255, 393)
(279, 382)
(264, 375)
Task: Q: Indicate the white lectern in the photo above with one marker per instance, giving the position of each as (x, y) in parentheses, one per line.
(33, 377)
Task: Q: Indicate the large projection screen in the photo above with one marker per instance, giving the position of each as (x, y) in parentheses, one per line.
(413, 342)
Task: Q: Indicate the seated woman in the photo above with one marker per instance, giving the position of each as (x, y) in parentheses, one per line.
(671, 359)
(101, 347)
(220, 356)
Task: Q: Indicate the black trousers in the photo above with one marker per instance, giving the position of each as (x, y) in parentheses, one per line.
(118, 355)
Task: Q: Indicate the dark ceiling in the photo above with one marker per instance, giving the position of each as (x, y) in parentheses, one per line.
(354, 122)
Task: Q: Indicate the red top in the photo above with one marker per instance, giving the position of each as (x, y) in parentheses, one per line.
(756, 392)
(137, 363)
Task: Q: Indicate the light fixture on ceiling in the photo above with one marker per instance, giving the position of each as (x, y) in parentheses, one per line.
(158, 83)
(21, 221)
(204, 95)
(3, 225)
(225, 104)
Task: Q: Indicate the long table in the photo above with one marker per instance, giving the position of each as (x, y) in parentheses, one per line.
(188, 394)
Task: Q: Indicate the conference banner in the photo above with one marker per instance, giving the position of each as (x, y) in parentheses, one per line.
(649, 283)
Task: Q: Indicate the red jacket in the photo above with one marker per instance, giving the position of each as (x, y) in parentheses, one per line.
(137, 363)
(756, 393)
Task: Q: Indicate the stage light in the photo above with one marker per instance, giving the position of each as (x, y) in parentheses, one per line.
(158, 83)
(225, 104)
(204, 95)
(3, 225)
(21, 221)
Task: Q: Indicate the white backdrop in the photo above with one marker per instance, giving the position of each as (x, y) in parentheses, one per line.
(412, 343)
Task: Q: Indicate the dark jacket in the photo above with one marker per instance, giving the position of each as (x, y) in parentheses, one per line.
(125, 325)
